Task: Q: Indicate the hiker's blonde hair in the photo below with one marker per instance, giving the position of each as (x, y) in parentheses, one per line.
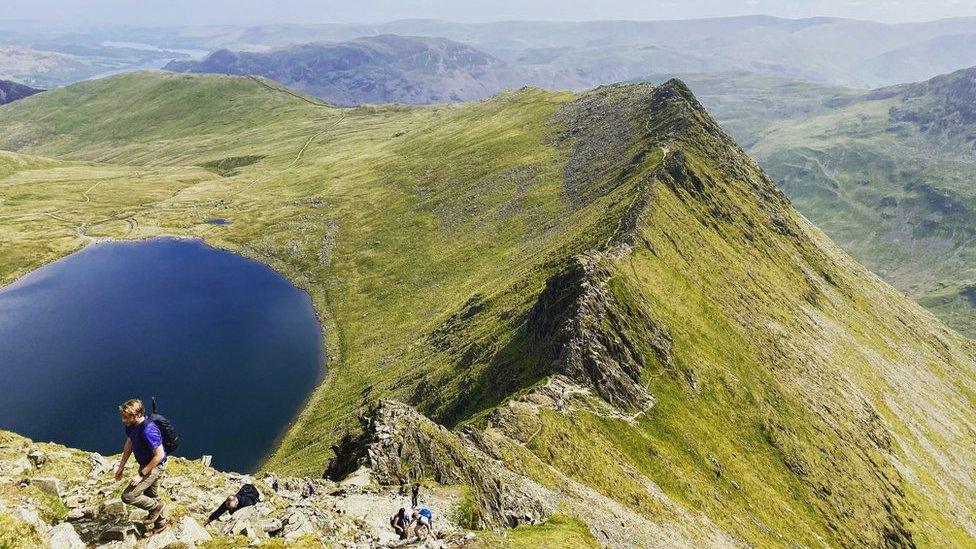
(132, 408)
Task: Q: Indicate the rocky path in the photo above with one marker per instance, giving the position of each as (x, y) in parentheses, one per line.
(70, 499)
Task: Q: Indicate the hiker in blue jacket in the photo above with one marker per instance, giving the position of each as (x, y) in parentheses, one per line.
(145, 442)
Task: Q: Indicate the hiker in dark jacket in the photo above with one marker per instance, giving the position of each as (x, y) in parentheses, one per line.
(414, 493)
(400, 522)
(248, 495)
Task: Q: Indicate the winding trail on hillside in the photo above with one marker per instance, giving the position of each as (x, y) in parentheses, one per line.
(132, 223)
(612, 250)
(313, 138)
(90, 189)
(81, 225)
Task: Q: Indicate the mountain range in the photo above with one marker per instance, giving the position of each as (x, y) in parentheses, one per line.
(822, 49)
(554, 55)
(595, 302)
(380, 69)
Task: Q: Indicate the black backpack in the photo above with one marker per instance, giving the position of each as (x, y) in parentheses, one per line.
(170, 439)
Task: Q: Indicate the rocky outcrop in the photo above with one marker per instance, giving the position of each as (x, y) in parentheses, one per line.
(400, 446)
(579, 320)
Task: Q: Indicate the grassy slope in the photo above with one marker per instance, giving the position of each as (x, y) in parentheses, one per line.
(897, 201)
(879, 188)
(800, 383)
(424, 236)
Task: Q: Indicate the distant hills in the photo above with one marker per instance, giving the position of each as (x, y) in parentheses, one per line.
(889, 174)
(556, 55)
(822, 49)
(12, 91)
(378, 69)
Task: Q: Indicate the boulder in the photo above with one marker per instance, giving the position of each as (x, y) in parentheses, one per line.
(297, 525)
(64, 536)
(73, 502)
(17, 467)
(190, 532)
(47, 485)
(37, 458)
(75, 514)
(245, 528)
(112, 507)
(163, 539)
(119, 532)
(98, 464)
(31, 517)
(272, 526)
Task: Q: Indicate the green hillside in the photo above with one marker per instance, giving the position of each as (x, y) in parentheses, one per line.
(887, 174)
(600, 291)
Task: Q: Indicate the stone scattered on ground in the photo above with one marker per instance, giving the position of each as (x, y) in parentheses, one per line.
(72, 500)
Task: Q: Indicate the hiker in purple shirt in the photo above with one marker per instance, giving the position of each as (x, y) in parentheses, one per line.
(145, 442)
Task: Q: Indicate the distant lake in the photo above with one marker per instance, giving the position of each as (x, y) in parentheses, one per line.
(196, 54)
(230, 348)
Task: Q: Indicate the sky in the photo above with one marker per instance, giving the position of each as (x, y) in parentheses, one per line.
(206, 12)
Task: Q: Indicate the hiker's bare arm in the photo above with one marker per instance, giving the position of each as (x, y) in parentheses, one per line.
(216, 514)
(158, 455)
(126, 451)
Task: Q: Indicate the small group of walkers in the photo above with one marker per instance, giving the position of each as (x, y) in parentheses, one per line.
(149, 439)
(420, 520)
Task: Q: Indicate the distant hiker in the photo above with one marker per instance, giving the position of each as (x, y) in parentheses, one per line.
(400, 523)
(248, 495)
(414, 493)
(144, 440)
(423, 519)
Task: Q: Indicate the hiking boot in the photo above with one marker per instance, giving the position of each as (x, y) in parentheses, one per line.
(155, 513)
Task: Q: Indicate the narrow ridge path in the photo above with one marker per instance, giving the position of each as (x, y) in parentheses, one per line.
(289, 92)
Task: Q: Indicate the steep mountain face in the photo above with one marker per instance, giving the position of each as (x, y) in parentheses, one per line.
(596, 301)
(380, 69)
(886, 173)
(12, 91)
